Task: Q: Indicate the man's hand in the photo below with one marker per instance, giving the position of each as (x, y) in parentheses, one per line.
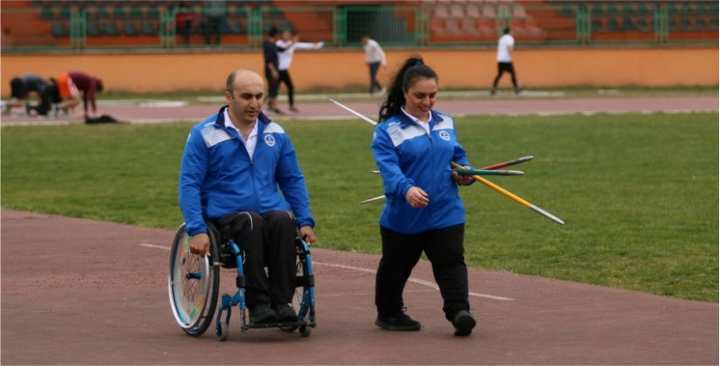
(308, 234)
(416, 197)
(463, 180)
(199, 244)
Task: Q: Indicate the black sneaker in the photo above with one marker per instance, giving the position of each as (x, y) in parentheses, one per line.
(397, 322)
(286, 313)
(463, 323)
(261, 314)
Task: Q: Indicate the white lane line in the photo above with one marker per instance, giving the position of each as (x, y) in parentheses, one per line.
(370, 271)
(411, 279)
(148, 245)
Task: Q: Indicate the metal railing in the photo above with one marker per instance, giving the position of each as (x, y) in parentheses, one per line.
(94, 24)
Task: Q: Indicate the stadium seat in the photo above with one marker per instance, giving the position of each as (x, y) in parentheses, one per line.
(519, 12)
(109, 29)
(612, 9)
(136, 12)
(150, 28)
(469, 26)
(441, 12)
(65, 12)
(119, 12)
(59, 29)
(452, 26)
(92, 29)
(489, 12)
(613, 25)
(47, 12)
(472, 11)
(627, 24)
(456, 11)
(130, 29)
(153, 13)
(598, 25)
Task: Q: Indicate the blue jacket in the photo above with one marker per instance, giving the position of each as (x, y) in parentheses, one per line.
(407, 156)
(217, 176)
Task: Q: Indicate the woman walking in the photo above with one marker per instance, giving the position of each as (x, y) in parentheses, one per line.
(413, 146)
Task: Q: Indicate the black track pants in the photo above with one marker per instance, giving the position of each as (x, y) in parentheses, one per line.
(400, 252)
(268, 241)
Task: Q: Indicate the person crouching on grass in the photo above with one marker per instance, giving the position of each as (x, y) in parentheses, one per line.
(413, 146)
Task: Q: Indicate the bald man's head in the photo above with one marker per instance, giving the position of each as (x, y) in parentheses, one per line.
(242, 77)
(244, 95)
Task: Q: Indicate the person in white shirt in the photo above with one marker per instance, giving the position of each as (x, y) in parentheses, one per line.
(504, 60)
(374, 57)
(286, 47)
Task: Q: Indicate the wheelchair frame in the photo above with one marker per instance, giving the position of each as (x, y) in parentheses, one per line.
(194, 282)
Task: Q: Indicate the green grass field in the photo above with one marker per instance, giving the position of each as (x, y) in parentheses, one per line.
(639, 192)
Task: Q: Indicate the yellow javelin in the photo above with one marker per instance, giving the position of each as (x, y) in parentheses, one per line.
(514, 197)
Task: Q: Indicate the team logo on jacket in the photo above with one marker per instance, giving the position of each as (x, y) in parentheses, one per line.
(269, 140)
(444, 135)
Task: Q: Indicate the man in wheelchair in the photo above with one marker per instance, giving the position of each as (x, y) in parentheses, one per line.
(232, 166)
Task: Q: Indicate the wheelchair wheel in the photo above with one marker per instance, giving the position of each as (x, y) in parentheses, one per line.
(193, 284)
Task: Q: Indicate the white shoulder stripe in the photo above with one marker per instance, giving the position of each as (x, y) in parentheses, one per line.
(213, 136)
(398, 135)
(445, 124)
(273, 128)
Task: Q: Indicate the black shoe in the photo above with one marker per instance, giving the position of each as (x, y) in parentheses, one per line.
(463, 323)
(262, 313)
(397, 322)
(293, 109)
(286, 313)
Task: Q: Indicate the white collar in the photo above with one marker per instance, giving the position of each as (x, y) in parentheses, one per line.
(229, 123)
(415, 118)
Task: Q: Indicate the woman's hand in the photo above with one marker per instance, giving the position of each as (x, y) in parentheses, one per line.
(416, 197)
(463, 180)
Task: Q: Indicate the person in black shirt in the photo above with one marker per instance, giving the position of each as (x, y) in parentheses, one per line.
(271, 69)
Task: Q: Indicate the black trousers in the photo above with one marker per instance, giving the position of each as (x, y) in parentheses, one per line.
(502, 68)
(374, 83)
(273, 84)
(268, 241)
(285, 79)
(400, 252)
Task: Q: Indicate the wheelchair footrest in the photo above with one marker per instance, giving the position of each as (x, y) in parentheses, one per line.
(294, 324)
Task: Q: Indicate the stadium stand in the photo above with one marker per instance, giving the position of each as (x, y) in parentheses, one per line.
(98, 24)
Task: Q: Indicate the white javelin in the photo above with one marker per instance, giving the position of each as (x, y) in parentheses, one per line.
(343, 106)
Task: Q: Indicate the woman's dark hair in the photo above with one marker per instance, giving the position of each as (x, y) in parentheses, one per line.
(414, 68)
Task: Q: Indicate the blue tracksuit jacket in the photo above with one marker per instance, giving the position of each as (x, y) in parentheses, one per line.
(217, 176)
(407, 156)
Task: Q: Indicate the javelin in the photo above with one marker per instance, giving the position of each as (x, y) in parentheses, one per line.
(362, 117)
(508, 163)
(515, 198)
(478, 178)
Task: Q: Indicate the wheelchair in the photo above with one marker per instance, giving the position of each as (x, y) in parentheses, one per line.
(194, 283)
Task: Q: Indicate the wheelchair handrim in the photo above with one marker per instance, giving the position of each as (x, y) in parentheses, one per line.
(187, 319)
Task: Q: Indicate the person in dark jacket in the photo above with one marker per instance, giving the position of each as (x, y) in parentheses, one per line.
(270, 57)
(239, 170)
(22, 90)
(414, 146)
